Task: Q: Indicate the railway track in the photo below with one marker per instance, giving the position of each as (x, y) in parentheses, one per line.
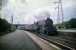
(66, 43)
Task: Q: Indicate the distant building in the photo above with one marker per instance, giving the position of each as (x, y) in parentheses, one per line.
(20, 26)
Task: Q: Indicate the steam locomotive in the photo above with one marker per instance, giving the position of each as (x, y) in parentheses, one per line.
(44, 27)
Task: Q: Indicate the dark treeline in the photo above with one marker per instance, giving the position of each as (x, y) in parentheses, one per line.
(68, 24)
(5, 27)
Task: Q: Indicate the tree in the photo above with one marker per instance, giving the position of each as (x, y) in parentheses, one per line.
(69, 24)
(72, 22)
(4, 25)
(66, 24)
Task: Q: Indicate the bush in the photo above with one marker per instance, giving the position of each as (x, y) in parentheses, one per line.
(13, 28)
(68, 24)
(5, 27)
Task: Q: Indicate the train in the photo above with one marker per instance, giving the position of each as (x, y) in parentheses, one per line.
(44, 27)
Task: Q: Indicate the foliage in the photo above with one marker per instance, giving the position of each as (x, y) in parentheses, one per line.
(72, 22)
(5, 27)
(68, 24)
(13, 28)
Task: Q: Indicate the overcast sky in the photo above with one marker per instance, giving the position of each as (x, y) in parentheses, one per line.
(27, 11)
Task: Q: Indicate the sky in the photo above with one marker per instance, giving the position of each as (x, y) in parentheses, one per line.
(29, 11)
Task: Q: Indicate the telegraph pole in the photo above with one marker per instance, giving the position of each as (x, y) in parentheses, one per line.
(0, 8)
(62, 14)
(11, 19)
(60, 17)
